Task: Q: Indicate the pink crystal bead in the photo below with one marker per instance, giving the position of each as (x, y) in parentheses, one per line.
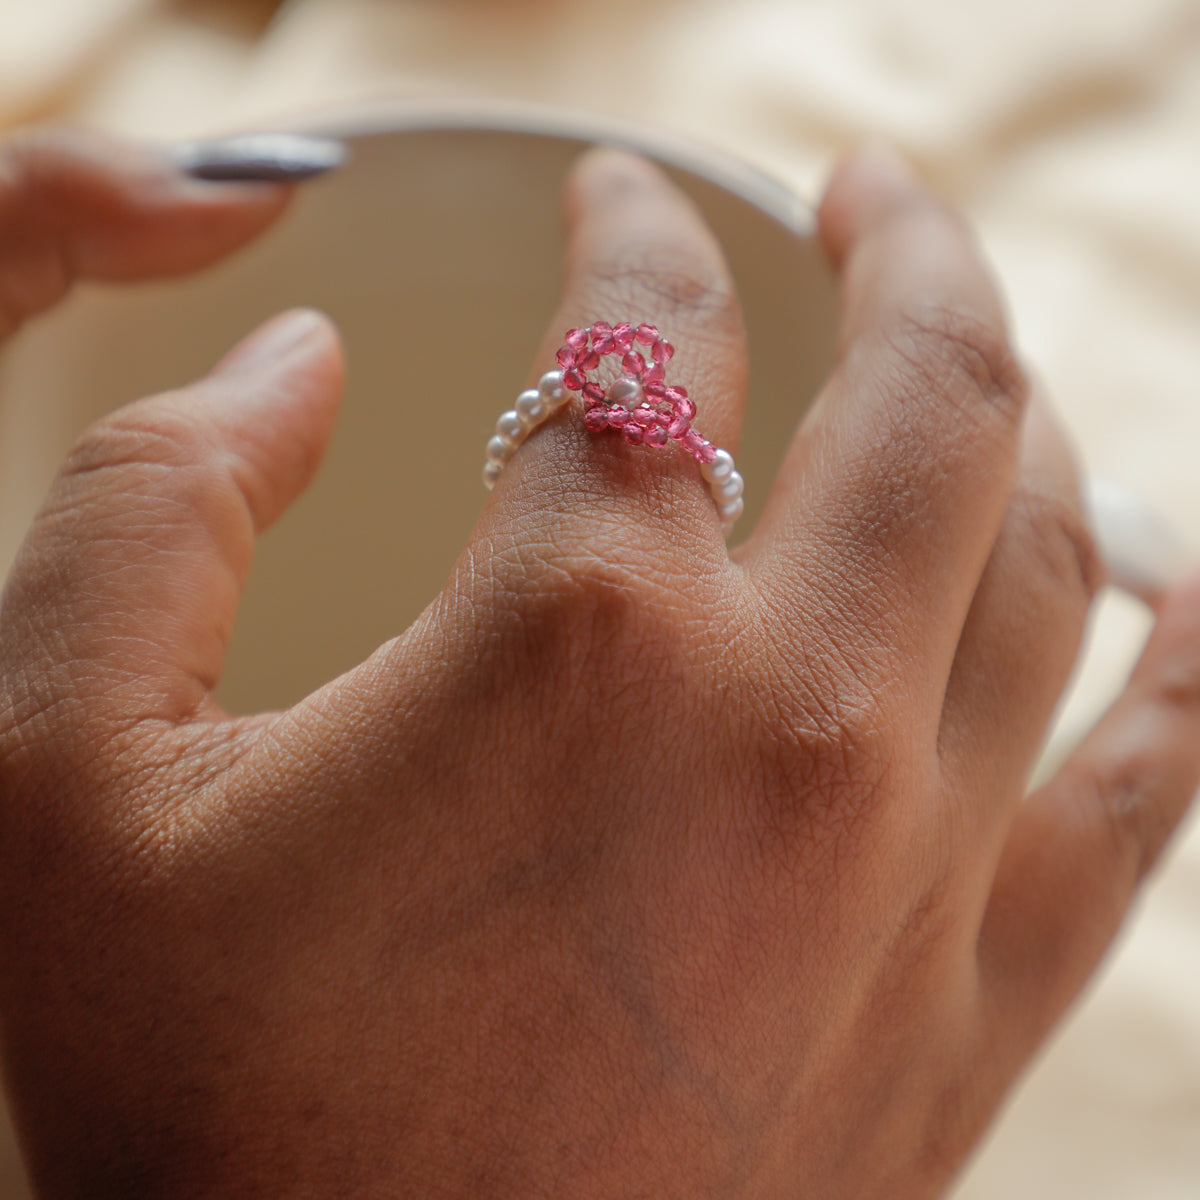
(565, 358)
(692, 442)
(663, 352)
(596, 419)
(601, 329)
(634, 363)
(647, 335)
(655, 391)
(683, 404)
(656, 435)
(653, 375)
(574, 379)
(623, 337)
(593, 393)
(631, 431)
(617, 416)
(588, 361)
(577, 339)
(645, 416)
(678, 427)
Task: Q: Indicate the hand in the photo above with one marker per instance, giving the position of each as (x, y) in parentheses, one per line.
(631, 868)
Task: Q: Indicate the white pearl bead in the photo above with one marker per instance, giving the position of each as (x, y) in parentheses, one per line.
(720, 468)
(731, 488)
(509, 425)
(531, 407)
(626, 392)
(500, 449)
(553, 392)
(732, 510)
(491, 472)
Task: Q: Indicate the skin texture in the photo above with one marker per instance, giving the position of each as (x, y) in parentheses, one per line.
(631, 869)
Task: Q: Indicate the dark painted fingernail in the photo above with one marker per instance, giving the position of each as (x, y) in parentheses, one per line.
(260, 158)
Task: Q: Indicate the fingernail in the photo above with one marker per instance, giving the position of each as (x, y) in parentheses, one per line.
(272, 344)
(1144, 553)
(260, 158)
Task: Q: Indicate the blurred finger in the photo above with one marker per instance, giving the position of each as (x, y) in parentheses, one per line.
(1082, 844)
(888, 503)
(1025, 625)
(78, 205)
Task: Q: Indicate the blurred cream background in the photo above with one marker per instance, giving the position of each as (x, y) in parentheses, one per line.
(1069, 130)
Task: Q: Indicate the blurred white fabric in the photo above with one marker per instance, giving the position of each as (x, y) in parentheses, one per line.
(1069, 132)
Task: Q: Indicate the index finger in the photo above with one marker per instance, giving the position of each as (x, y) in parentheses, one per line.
(75, 204)
(884, 513)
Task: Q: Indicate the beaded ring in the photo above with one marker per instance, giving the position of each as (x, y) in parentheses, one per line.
(636, 401)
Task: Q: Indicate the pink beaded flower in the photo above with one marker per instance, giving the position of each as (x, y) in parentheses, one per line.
(629, 394)
(634, 399)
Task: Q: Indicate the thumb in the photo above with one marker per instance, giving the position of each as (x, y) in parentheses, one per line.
(121, 602)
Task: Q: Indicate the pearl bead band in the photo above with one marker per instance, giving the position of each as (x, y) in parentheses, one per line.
(638, 404)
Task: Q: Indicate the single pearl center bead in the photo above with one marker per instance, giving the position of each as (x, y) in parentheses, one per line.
(627, 393)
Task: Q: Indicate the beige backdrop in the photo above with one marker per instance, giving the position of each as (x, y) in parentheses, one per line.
(1068, 129)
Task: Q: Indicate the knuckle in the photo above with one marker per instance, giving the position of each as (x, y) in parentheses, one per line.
(684, 290)
(1059, 541)
(572, 613)
(595, 642)
(1177, 686)
(1134, 825)
(960, 356)
(142, 435)
(582, 552)
(148, 469)
(827, 755)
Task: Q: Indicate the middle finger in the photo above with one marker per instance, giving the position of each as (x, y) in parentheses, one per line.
(886, 509)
